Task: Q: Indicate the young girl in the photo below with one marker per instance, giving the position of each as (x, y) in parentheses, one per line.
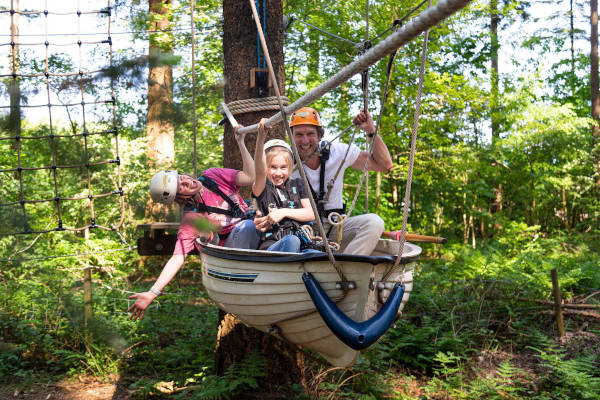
(283, 201)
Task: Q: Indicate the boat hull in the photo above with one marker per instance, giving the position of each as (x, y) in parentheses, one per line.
(265, 290)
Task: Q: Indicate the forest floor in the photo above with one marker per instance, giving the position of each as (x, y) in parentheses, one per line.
(410, 385)
(81, 388)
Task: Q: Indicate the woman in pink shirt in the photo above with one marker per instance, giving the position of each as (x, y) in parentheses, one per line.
(215, 197)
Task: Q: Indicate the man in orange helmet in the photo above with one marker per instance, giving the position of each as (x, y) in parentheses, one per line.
(360, 233)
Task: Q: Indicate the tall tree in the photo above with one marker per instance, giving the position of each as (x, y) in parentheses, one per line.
(240, 54)
(595, 100)
(14, 87)
(494, 47)
(159, 130)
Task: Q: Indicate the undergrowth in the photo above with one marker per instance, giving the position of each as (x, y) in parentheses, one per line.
(471, 330)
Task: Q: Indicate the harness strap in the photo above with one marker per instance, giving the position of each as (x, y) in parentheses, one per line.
(235, 211)
(323, 157)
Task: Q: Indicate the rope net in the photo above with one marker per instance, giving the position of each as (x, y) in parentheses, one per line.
(68, 159)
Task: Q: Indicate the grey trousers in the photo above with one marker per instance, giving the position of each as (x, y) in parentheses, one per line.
(360, 233)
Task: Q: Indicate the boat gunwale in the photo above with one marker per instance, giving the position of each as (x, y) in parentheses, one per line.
(281, 257)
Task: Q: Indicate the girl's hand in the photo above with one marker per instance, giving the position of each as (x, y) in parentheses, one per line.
(142, 301)
(262, 129)
(261, 223)
(239, 137)
(276, 215)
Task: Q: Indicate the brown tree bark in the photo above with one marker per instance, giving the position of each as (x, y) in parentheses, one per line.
(494, 94)
(595, 100)
(494, 69)
(160, 132)
(14, 118)
(235, 340)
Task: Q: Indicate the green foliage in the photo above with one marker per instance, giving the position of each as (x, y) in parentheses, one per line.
(575, 378)
(238, 378)
(471, 296)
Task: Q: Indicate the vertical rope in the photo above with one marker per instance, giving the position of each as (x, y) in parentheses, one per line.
(366, 98)
(194, 122)
(411, 159)
(84, 121)
(114, 122)
(52, 141)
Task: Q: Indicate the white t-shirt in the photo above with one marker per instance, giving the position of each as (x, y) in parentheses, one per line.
(336, 155)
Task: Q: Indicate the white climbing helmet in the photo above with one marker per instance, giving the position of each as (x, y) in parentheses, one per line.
(278, 143)
(163, 186)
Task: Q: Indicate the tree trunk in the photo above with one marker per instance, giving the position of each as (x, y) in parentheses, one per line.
(595, 101)
(572, 38)
(160, 132)
(240, 54)
(494, 69)
(14, 118)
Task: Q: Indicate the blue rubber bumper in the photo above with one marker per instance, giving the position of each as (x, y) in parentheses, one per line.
(357, 335)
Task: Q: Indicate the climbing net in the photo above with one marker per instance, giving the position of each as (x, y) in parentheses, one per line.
(62, 166)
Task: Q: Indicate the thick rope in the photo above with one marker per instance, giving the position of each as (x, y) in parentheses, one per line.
(405, 34)
(253, 105)
(411, 159)
(293, 144)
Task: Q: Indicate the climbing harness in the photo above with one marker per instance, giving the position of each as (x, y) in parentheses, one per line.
(234, 209)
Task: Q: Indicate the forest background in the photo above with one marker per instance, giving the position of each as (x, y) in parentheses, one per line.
(507, 169)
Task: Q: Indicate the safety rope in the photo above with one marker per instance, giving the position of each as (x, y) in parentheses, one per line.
(358, 44)
(411, 159)
(69, 255)
(400, 21)
(209, 30)
(20, 170)
(294, 18)
(293, 144)
(253, 105)
(365, 88)
(335, 218)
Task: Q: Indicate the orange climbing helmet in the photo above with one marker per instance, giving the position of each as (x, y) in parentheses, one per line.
(305, 115)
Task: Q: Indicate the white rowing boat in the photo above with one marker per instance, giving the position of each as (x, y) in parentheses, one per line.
(265, 290)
